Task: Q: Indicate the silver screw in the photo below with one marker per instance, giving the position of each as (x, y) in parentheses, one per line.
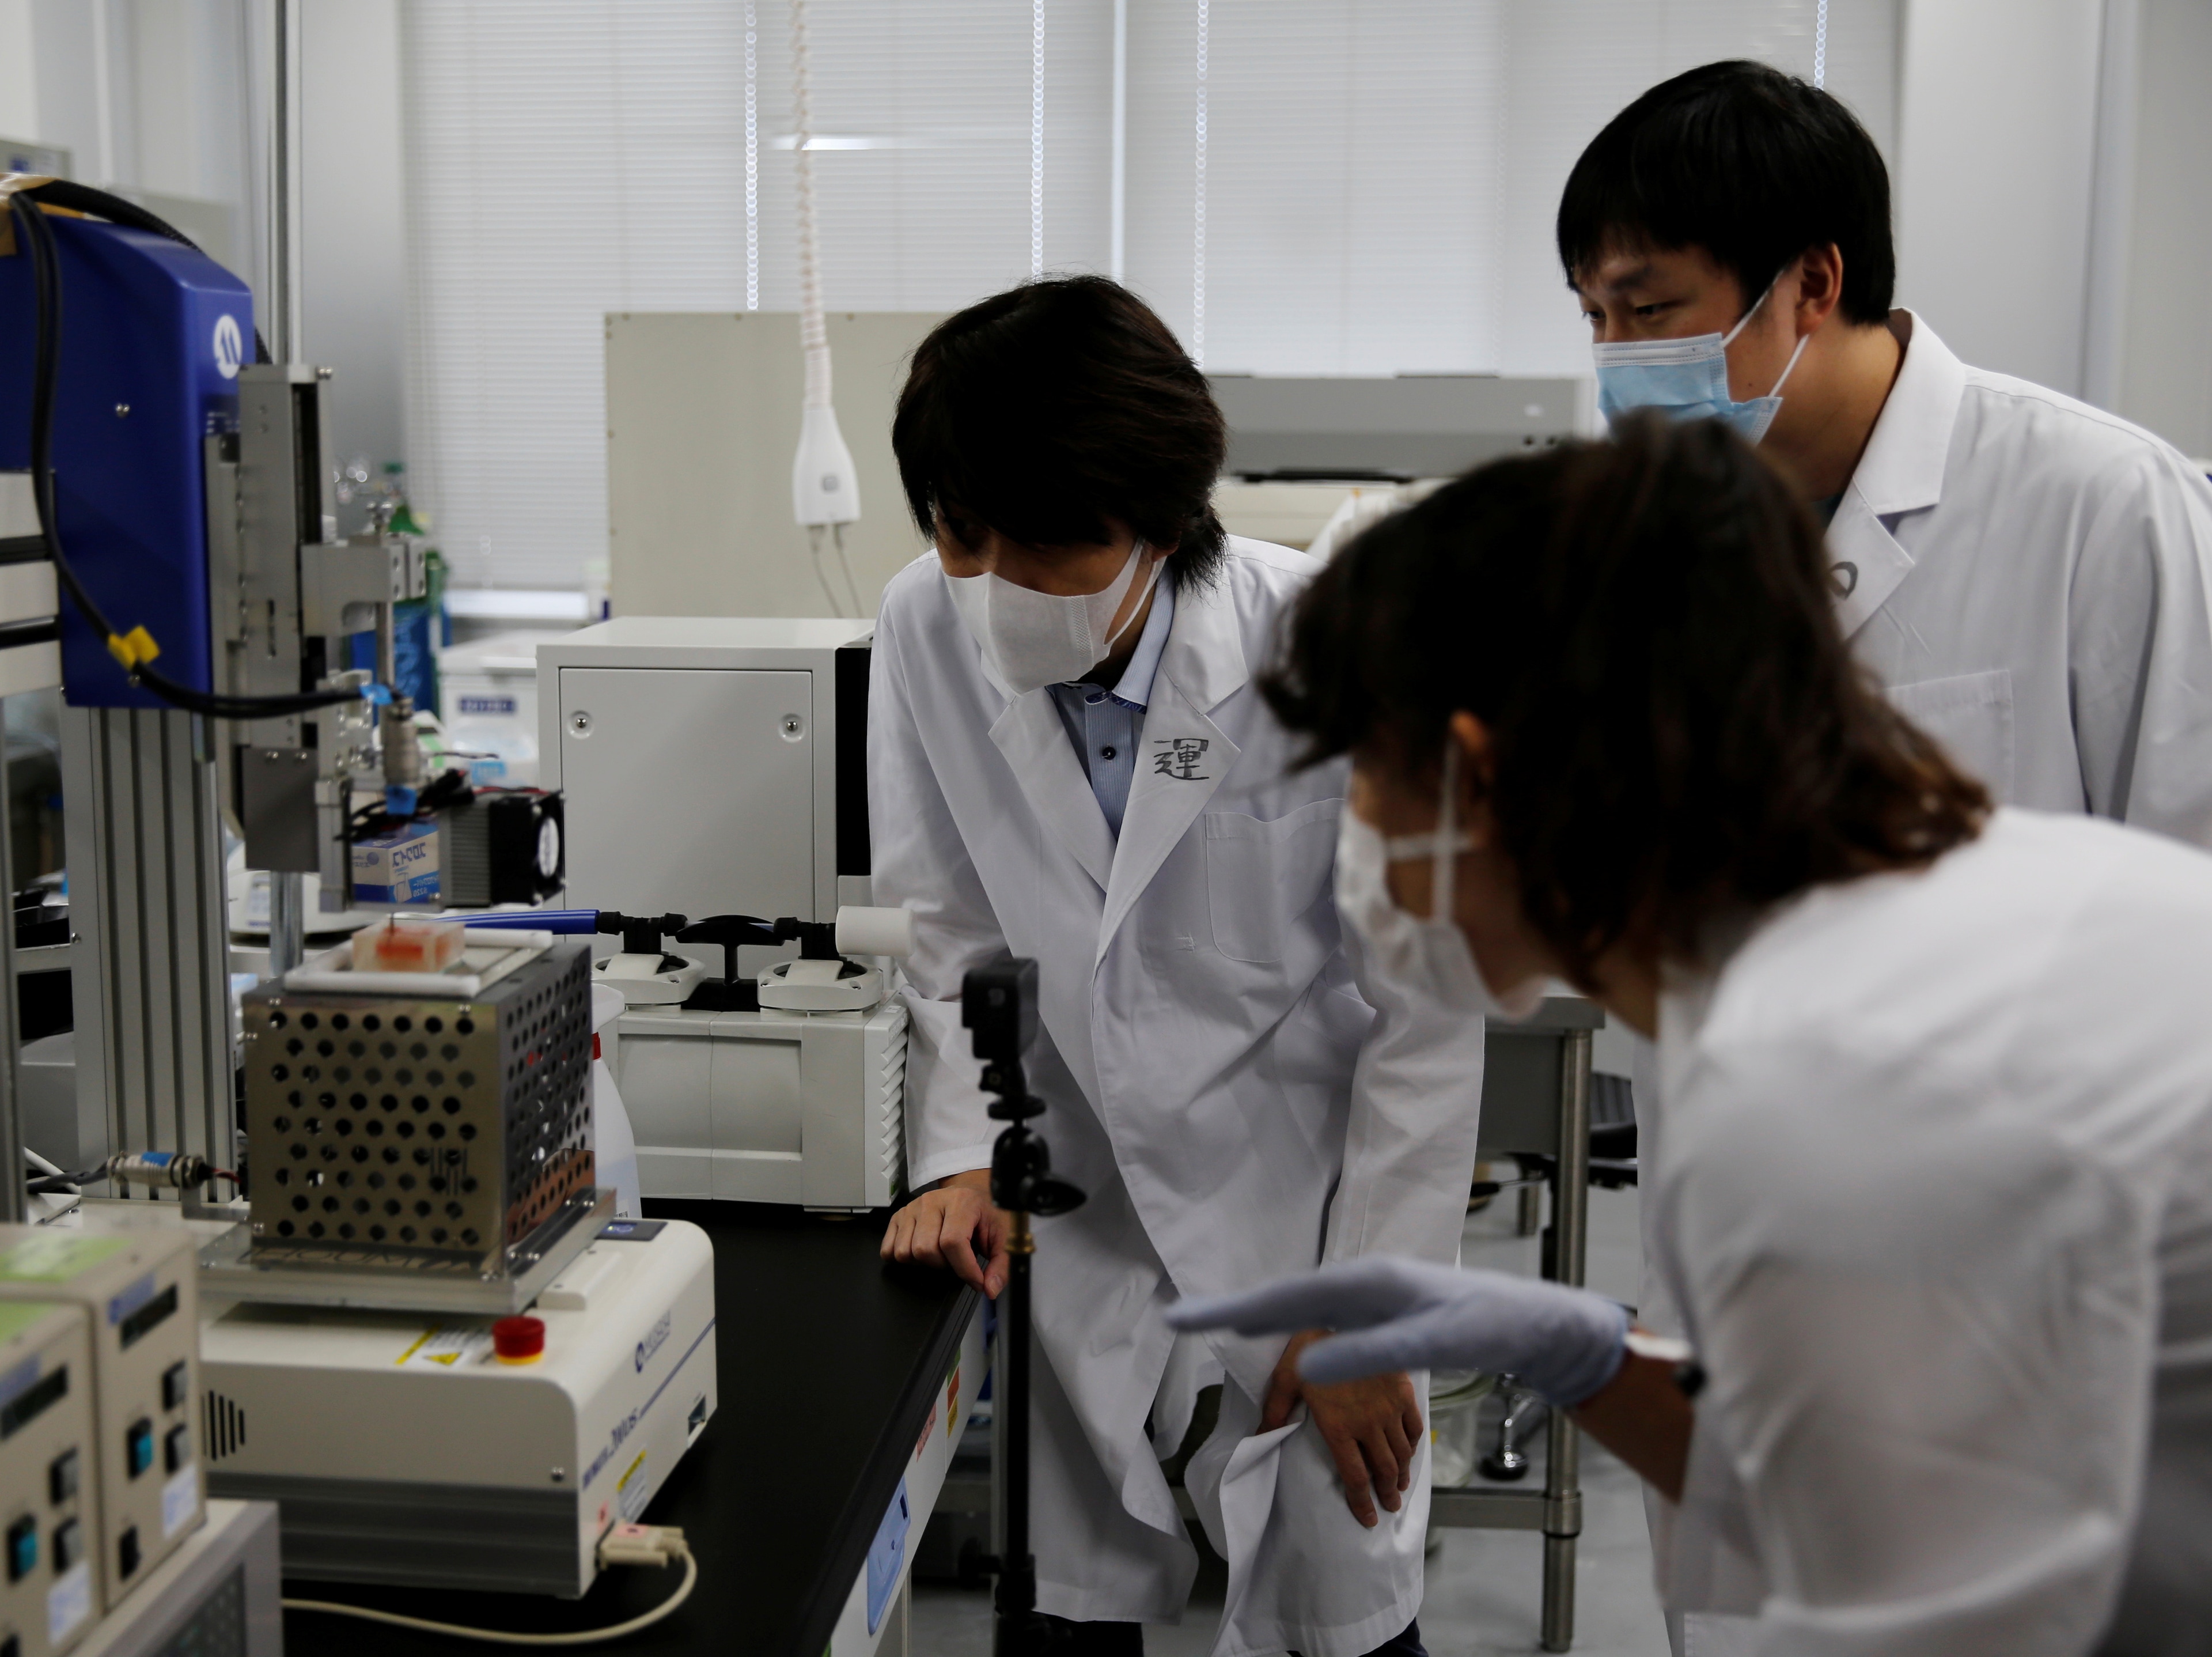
(580, 723)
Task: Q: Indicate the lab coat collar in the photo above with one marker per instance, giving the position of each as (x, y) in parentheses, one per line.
(1185, 753)
(1203, 655)
(1902, 470)
(1135, 684)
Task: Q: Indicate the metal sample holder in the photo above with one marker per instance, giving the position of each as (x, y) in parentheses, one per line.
(418, 1140)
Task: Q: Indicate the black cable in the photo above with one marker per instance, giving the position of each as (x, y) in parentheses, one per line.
(121, 210)
(45, 265)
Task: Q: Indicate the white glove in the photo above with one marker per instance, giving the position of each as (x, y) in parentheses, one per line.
(1565, 1343)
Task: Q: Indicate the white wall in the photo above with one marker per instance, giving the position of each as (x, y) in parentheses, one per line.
(19, 91)
(2165, 349)
(177, 120)
(1997, 142)
(354, 242)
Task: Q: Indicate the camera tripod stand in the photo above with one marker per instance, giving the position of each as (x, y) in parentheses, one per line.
(998, 1005)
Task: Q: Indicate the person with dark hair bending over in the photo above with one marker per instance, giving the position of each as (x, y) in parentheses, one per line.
(1068, 760)
(1936, 1191)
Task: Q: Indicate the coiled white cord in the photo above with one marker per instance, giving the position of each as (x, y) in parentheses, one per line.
(658, 1545)
(813, 335)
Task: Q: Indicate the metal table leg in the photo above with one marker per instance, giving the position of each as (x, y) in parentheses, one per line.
(1562, 1496)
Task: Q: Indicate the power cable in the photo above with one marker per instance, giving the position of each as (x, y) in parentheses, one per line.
(502, 1636)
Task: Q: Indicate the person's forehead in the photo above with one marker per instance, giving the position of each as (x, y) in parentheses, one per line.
(1624, 267)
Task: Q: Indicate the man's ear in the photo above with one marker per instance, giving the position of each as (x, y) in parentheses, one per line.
(1819, 285)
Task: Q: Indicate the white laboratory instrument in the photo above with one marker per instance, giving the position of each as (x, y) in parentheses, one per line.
(425, 1197)
(710, 765)
(768, 1106)
(786, 1088)
(140, 1291)
(49, 1502)
(404, 1449)
(220, 1593)
(716, 765)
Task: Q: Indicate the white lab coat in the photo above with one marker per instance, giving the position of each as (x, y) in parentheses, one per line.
(1216, 1083)
(1935, 1196)
(2030, 580)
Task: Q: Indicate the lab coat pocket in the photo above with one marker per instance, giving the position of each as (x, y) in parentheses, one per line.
(1972, 717)
(1261, 875)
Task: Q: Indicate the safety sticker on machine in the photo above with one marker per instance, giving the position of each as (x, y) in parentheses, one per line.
(448, 1346)
(69, 1602)
(180, 1500)
(633, 1489)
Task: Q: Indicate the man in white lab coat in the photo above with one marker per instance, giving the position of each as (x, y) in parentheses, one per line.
(2028, 578)
(1068, 760)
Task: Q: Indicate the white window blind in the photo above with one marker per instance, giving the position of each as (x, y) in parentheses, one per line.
(568, 158)
(1380, 180)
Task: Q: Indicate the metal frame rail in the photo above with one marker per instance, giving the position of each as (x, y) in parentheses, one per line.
(1536, 1100)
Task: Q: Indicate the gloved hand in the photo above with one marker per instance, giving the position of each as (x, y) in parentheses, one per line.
(1565, 1343)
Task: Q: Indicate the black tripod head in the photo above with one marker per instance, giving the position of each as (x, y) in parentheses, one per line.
(999, 1005)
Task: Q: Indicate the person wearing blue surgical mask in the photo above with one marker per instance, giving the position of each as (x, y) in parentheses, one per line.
(2027, 578)
(1688, 378)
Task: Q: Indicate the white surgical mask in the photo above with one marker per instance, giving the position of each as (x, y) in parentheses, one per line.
(1033, 639)
(1687, 379)
(1426, 956)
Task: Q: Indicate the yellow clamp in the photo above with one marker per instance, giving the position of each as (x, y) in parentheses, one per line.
(132, 648)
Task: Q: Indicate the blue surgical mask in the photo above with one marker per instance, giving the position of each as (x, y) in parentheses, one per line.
(1686, 379)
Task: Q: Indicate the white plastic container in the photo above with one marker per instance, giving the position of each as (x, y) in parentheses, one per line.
(488, 693)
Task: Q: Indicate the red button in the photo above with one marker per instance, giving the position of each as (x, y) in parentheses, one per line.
(518, 1340)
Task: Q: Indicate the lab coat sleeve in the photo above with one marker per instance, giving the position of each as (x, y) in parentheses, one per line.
(1410, 1136)
(920, 863)
(1929, 1348)
(2141, 659)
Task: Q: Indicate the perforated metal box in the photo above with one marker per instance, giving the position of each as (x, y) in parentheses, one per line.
(419, 1135)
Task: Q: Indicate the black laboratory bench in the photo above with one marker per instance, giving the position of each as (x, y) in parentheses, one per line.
(827, 1362)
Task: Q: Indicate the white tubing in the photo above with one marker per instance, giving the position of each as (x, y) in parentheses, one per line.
(875, 931)
(813, 336)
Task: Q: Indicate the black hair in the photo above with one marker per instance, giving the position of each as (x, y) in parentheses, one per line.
(1750, 164)
(1047, 410)
(1644, 627)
